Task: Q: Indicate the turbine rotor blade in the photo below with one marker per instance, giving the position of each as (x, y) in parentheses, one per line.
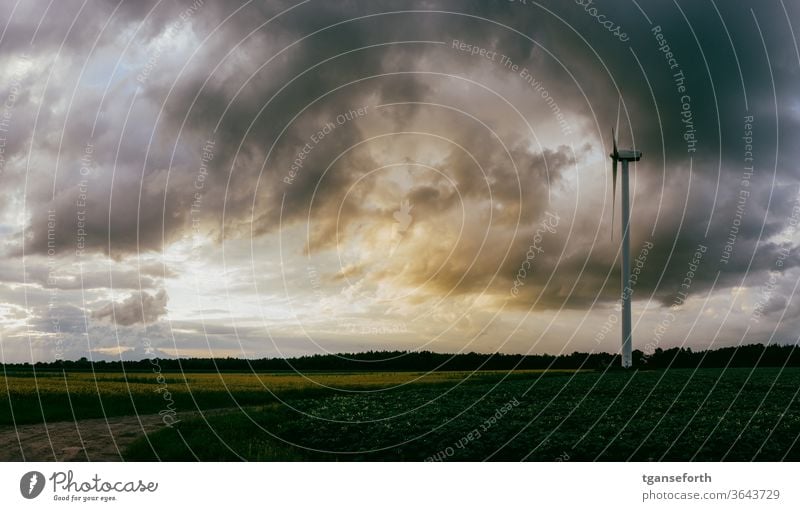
(613, 194)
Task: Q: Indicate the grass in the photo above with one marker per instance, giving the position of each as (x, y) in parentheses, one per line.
(709, 414)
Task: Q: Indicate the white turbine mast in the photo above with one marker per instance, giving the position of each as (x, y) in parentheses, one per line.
(625, 156)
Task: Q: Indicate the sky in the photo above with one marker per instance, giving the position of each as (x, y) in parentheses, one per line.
(273, 179)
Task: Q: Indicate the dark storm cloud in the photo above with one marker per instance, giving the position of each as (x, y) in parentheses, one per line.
(137, 308)
(700, 209)
(137, 202)
(126, 232)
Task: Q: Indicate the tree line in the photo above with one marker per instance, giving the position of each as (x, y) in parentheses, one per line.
(751, 355)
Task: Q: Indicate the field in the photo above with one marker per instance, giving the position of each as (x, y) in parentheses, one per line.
(28, 397)
(705, 414)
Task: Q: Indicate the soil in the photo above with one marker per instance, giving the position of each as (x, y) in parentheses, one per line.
(84, 440)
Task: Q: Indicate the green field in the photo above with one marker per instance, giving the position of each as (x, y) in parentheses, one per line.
(708, 414)
(28, 397)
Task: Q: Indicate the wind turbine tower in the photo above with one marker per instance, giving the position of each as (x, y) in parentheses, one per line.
(625, 156)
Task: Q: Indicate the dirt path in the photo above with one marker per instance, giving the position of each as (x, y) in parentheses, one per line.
(85, 440)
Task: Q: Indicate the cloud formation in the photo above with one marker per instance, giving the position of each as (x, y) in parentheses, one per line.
(137, 308)
(261, 152)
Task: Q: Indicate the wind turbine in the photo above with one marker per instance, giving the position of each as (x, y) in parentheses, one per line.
(625, 156)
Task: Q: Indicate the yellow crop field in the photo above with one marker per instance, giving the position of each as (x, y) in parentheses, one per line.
(28, 397)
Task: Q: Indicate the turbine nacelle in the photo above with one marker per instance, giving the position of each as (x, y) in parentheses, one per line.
(627, 155)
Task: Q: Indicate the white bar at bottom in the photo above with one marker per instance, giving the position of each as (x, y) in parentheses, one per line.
(407, 486)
